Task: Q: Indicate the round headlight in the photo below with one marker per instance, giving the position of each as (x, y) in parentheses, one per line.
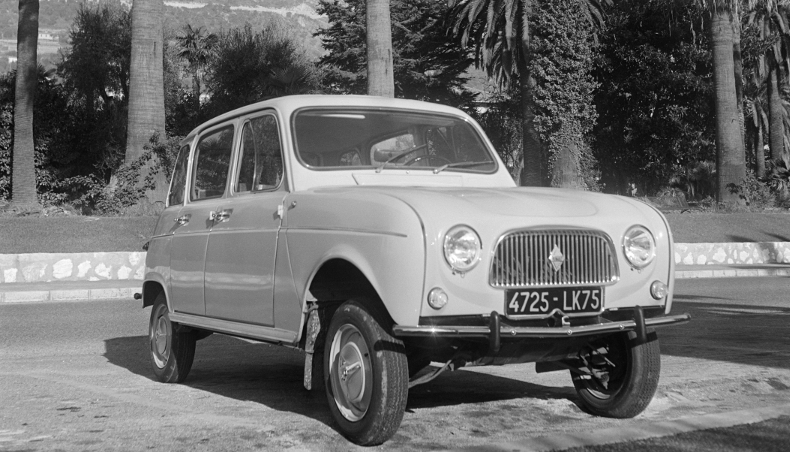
(639, 246)
(462, 248)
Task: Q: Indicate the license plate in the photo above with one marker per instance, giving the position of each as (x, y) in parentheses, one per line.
(543, 302)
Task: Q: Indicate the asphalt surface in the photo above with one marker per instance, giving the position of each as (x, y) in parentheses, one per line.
(75, 376)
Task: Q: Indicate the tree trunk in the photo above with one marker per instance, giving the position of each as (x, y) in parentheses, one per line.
(23, 169)
(738, 74)
(196, 91)
(759, 153)
(730, 156)
(565, 171)
(532, 170)
(776, 130)
(146, 85)
(379, 41)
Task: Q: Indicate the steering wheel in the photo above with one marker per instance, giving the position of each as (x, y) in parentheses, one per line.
(428, 157)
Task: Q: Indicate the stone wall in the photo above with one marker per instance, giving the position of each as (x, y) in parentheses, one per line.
(747, 253)
(43, 267)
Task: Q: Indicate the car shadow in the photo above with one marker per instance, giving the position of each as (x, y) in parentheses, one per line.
(273, 376)
(737, 333)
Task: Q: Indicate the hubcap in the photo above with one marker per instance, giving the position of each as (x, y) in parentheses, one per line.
(608, 364)
(351, 377)
(161, 336)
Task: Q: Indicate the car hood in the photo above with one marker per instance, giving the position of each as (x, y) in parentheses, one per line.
(498, 209)
(517, 202)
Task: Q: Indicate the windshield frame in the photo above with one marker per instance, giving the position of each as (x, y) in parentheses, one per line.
(377, 167)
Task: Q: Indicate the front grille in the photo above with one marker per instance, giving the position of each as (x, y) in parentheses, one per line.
(580, 258)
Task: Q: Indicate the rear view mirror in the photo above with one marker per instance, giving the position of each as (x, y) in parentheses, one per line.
(382, 155)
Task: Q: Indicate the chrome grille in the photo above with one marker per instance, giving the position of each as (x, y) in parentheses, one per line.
(523, 259)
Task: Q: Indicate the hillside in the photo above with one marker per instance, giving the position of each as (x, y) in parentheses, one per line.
(299, 17)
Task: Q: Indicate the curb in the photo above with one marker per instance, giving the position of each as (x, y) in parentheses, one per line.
(38, 293)
(614, 435)
(732, 273)
(125, 289)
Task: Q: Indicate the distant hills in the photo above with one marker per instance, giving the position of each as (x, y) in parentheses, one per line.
(299, 17)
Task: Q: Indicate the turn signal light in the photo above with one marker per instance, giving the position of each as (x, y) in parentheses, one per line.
(437, 298)
(658, 290)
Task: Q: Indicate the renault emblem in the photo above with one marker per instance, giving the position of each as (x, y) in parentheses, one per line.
(556, 258)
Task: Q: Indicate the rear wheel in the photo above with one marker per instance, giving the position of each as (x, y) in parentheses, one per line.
(366, 374)
(172, 350)
(624, 375)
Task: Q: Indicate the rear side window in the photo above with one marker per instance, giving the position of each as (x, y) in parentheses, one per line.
(261, 165)
(179, 180)
(212, 162)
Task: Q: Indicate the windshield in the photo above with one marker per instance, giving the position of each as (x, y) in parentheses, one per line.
(342, 139)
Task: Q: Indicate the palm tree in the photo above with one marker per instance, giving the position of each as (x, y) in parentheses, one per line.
(23, 171)
(730, 154)
(146, 83)
(196, 47)
(756, 106)
(771, 19)
(379, 41)
(500, 31)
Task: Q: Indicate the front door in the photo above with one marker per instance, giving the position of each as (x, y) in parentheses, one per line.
(211, 166)
(242, 245)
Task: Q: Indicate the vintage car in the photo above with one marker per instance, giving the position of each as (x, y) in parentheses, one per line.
(382, 235)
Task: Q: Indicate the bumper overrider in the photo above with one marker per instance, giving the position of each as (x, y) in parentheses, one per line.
(494, 331)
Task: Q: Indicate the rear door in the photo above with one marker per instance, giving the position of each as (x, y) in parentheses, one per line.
(243, 242)
(207, 187)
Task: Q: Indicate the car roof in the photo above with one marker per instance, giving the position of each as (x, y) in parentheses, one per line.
(288, 104)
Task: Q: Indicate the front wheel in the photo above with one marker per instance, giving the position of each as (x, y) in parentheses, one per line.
(624, 375)
(172, 350)
(366, 374)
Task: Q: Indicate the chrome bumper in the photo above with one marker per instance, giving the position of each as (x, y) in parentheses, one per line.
(537, 332)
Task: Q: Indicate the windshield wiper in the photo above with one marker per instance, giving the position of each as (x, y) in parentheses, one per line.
(402, 154)
(459, 165)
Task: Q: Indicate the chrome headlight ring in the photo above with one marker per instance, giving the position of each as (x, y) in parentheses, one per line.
(462, 248)
(639, 246)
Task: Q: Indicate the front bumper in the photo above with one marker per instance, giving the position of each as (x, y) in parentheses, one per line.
(494, 331)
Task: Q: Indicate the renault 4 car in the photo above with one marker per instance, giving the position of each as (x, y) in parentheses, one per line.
(380, 236)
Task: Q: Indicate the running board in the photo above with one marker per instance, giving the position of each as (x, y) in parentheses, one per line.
(258, 332)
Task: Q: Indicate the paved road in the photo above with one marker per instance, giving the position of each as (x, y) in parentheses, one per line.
(76, 377)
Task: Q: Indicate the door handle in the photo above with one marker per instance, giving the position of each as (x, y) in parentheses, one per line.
(183, 219)
(221, 216)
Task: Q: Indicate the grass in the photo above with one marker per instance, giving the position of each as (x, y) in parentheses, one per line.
(80, 234)
(73, 234)
(694, 227)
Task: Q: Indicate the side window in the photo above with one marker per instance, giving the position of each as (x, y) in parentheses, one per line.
(439, 142)
(179, 180)
(350, 158)
(212, 161)
(261, 165)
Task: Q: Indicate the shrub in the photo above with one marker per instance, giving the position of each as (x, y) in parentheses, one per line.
(754, 193)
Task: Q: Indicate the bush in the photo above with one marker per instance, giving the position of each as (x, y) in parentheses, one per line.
(125, 192)
(755, 194)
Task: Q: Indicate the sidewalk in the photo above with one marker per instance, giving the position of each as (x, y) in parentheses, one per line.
(65, 291)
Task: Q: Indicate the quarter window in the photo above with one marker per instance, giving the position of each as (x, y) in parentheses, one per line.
(212, 161)
(179, 180)
(261, 166)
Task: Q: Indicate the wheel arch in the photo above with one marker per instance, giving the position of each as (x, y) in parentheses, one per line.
(151, 290)
(338, 279)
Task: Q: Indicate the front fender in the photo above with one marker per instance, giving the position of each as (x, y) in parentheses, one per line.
(380, 235)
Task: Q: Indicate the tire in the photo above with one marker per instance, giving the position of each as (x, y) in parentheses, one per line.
(365, 374)
(172, 350)
(632, 381)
